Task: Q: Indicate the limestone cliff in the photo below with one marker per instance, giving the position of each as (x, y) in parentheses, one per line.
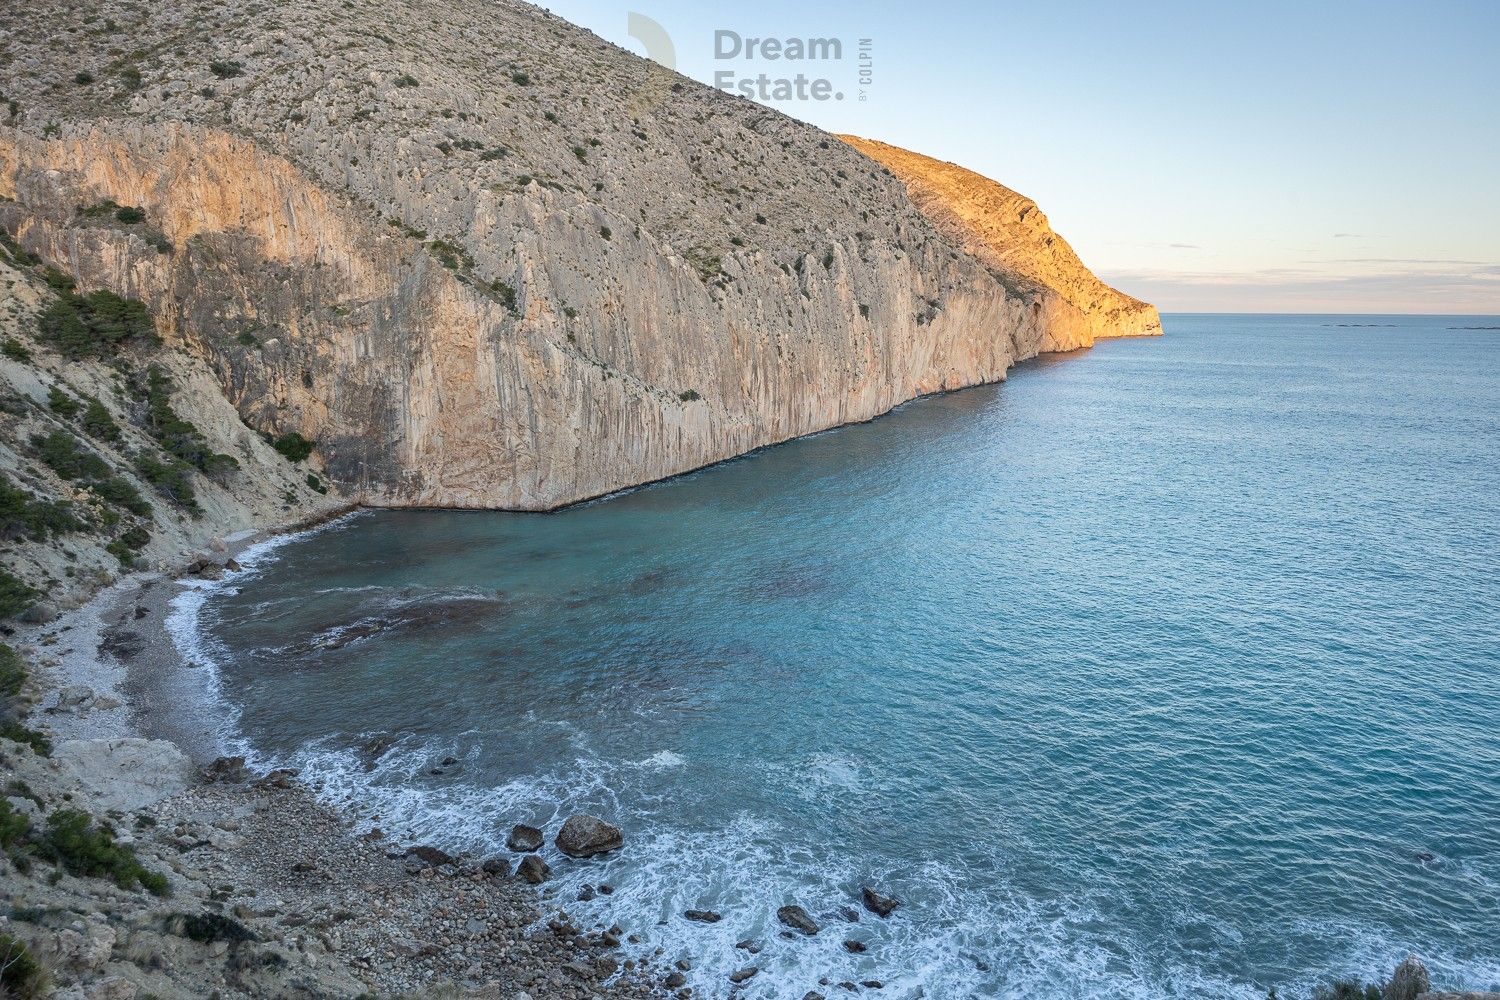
(451, 244)
(1008, 232)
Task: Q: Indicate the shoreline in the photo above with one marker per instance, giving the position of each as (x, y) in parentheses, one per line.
(300, 898)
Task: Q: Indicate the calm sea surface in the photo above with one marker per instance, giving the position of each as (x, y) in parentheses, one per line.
(1167, 669)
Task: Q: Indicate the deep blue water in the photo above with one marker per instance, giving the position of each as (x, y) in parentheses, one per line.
(1167, 669)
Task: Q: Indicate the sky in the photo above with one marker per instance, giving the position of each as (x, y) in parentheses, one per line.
(1205, 156)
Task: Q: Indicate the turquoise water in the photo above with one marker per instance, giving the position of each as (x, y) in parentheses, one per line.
(1168, 669)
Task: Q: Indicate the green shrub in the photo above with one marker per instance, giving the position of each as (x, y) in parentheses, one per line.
(520, 79)
(15, 350)
(181, 439)
(98, 423)
(16, 596)
(606, 232)
(12, 730)
(225, 69)
(505, 293)
(12, 673)
(405, 80)
(20, 975)
(66, 456)
(170, 478)
(206, 928)
(83, 78)
(450, 255)
(130, 215)
(22, 516)
(315, 484)
(61, 403)
(128, 544)
(13, 250)
(121, 492)
(689, 396)
(14, 826)
(293, 446)
(83, 326)
(77, 844)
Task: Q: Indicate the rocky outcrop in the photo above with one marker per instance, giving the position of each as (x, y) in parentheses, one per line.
(1009, 233)
(442, 241)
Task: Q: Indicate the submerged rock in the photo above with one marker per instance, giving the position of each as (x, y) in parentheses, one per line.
(524, 838)
(584, 836)
(744, 975)
(881, 906)
(703, 916)
(797, 919)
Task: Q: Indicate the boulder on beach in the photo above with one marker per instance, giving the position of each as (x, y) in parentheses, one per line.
(533, 869)
(881, 906)
(524, 838)
(230, 770)
(430, 856)
(584, 836)
(797, 919)
(495, 867)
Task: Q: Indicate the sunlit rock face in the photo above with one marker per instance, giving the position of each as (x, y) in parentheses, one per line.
(453, 245)
(1009, 233)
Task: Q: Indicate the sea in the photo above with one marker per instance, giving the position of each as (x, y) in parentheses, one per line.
(1166, 669)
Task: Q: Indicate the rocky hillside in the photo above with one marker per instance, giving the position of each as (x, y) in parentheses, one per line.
(116, 452)
(1009, 233)
(469, 251)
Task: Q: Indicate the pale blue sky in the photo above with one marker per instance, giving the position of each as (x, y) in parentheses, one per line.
(1205, 156)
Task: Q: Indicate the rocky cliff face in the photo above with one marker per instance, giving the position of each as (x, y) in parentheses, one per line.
(451, 243)
(1010, 234)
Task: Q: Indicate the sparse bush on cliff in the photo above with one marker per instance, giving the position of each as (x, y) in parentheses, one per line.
(505, 293)
(15, 350)
(689, 396)
(74, 842)
(181, 439)
(84, 326)
(14, 731)
(61, 403)
(12, 250)
(225, 69)
(20, 975)
(293, 446)
(450, 255)
(22, 516)
(131, 541)
(12, 673)
(16, 595)
(97, 422)
(170, 479)
(65, 455)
